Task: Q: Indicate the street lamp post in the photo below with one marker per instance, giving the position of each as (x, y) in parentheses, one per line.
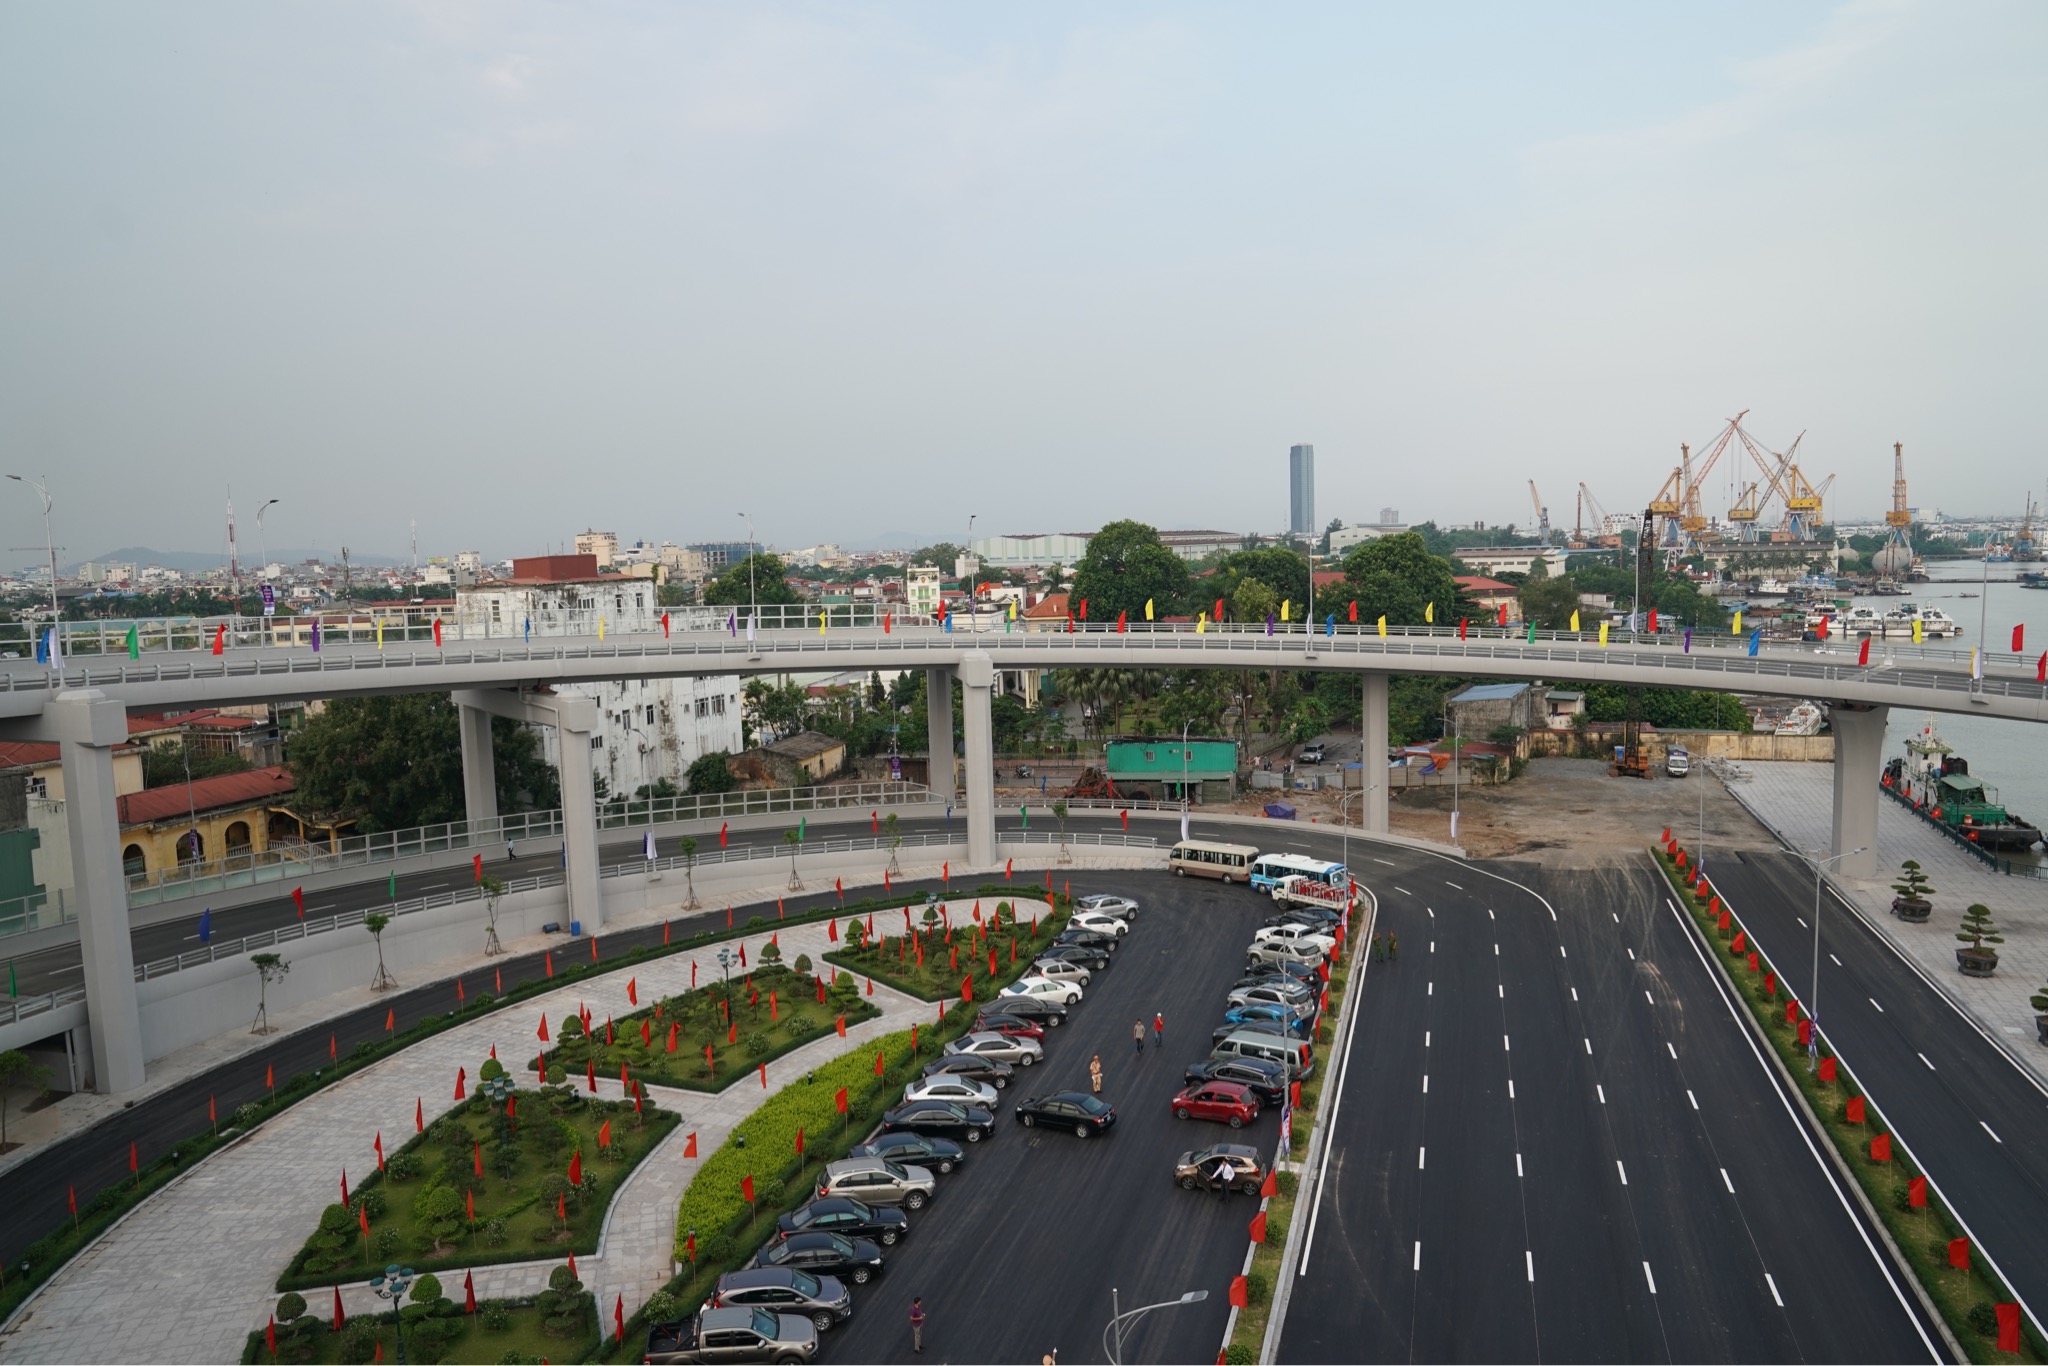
(725, 962)
(753, 594)
(50, 542)
(1113, 1331)
(1345, 820)
(262, 547)
(1813, 982)
(967, 552)
(391, 1284)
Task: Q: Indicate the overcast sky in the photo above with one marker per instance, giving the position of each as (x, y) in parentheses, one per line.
(514, 269)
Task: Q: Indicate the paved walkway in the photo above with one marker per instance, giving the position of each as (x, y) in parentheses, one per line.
(141, 1294)
(1797, 802)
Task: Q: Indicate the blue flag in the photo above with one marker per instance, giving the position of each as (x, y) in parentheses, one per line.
(1330, 624)
(42, 649)
(206, 926)
(529, 630)
(949, 623)
(1756, 638)
(1688, 640)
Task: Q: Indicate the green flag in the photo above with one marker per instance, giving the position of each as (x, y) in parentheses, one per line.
(394, 884)
(1024, 816)
(1532, 633)
(134, 644)
(801, 823)
(13, 986)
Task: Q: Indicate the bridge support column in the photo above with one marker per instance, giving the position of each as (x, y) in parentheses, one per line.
(479, 770)
(1372, 764)
(575, 722)
(977, 690)
(89, 724)
(938, 706)
(1859, 762)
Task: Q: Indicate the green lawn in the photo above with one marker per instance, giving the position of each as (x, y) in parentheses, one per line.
(773, 1010)
(418, 1206)
(894, 956)
(566, 1329)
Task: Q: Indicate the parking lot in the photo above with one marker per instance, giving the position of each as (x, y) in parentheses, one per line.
(1018, 1254)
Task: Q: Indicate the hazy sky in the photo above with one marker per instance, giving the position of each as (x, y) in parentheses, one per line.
(515, 268)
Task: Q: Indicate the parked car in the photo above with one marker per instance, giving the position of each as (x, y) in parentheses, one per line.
(1062, 970)
(1275, 951)
(824, 1300)
(1101, 922)
(1046, 1012)
(1266, 1080)
(1066, 993)
(1084, 1114)
(854, 1218)
(1002, 1022)
(733, 1335)
(1289, 970)
(1272, 1027)
(1306, 915)
(1293, 997)
(1296, 1024)
(1089, 956)
(959, 1090)
(941, 1155)
(1001, 1047)
(1227, 1101)
(1197, 1170)
(823, 1254)
(1088, 938)
(1294, 932)
(996, 1074)
(1311, 754)
(877, 1180)
(1108, 903)
(940, 1117)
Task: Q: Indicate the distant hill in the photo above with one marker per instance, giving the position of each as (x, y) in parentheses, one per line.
(199, 561)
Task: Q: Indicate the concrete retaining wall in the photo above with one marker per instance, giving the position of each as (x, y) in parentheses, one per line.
(1597, 742)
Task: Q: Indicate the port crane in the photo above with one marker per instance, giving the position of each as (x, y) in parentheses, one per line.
(1542, 514)
(1589, 505)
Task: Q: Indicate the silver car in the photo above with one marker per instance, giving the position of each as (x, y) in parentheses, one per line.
(959, 1090)
(1302, 1004)
(1060, 970)
(1120, 906)
(1001, 1047)
(877, 1181)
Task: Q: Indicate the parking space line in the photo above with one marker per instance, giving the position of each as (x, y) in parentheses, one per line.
(1425, 1038)
(1575, 993)
(1616, 915)
(1432, 989)
(1802, 921)
(1502, 988)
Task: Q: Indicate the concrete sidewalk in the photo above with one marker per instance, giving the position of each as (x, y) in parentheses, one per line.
(1795, 800)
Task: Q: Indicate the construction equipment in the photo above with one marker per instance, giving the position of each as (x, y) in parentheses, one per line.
(1629, 759)
(2024, 546)
(1894, 559)
(1542, 514)
(1603, 532)
(1093, 783)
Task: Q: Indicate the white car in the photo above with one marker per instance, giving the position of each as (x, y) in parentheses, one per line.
(1060, 970)
(1301, 1003)
(959, 1090)
(1044, 988)
(1101, 923)
(1295, 934)
(1109, 905)
(1018, 1052)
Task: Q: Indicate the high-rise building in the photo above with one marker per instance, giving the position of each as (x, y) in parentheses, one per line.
(1301, 490)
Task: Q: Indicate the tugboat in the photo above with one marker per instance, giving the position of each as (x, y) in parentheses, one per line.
(1936, 781)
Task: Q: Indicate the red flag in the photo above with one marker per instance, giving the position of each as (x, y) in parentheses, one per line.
(590, 1075)
(1827, 1069)
(821, 987)
(1120, 622)
(576, 1168)
(743, 955)
(437, 632)
(593, 948)
(946, 872)
(337, 1309)
(1863, 653)
(561, 1208)
(967, 987)
(477, 863)
(1240, 1292)
(1653, 621)
(1881, 1148)
(379, 1146)
(363, 1218)
(1853, 1111)
(469, 1202)
(646, 1034)
(1258, 1228)
(664, 626)
(633, 990)
(1271, 1187)
(2041, 668)
(1916, 1192)
(799, 1140)
(460, 996)
(344, 1186)
(572, 1265)
(1959, 1253)
(1084, 609)
(672, 1036)
(619, 1318)
(832, 930)
(1503, 614)
(747, 1189)
(548, 961)
(1126, 815)
(840, 889)
(220, 639)
(211, 1118)
(692, 1250)
(839, 1100)
(1463, 622)
(878, 1064)
(468, 1290)
(299, 900)
(270, 1076)
(461, 1076)
(764, 1076)
(604, 1134)
(992, 959)
(2019, 638)
(270, 1335)
(1354, 611)
(913, 1035)
(721, 834)
(871, 986)
(2008, 1326)
(690, 1146)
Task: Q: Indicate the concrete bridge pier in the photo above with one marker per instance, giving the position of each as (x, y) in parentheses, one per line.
(977, 691)
(938, 707)
(1372, 765)
(479, 771)
(1859, 762)
(86, 725)
(575, 722)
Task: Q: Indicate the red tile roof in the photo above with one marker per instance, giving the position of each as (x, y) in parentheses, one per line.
(15, 753)
(1479, 583)
(206, 794)
(1051, 607)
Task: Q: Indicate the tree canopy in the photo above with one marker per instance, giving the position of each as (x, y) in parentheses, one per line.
(1549, 603)
(393, 762)
(1126, 565)
(1397, 577)
(1278, 568)
(769, 583)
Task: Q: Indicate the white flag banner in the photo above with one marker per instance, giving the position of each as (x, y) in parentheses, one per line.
(650, 846)
(1183, 825)
(1454, 827)
(750, 626)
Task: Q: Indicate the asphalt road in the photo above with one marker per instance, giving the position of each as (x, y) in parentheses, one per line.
(58, 967)
(1018, 1254)
(1972, 1117)
(1556, 1142)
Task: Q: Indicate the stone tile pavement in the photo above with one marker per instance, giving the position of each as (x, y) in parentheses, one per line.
(193, 1269)
(1796, 801)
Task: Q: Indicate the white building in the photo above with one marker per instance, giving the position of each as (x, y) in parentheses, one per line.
(1343, 538)
(921, 590)
(1517, 559)
(648, 728)
(603, 545)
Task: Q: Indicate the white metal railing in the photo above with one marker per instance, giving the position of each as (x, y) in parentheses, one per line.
(40, 910)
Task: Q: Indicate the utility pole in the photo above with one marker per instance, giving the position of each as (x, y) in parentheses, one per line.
(49, 545)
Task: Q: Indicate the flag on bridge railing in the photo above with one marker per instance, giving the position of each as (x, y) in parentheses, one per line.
(394, 884)
(205, 931)
(1756, 640)
(135, 643)
(650, 846)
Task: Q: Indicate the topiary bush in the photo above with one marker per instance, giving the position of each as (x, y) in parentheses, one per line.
(490, 1070)
(403, 1166)
(371, 1202)
(496, 1315)
(1983, 1319)
(290, 1305)
(358, 1339)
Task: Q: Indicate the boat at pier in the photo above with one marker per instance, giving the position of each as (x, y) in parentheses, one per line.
(1937, 783)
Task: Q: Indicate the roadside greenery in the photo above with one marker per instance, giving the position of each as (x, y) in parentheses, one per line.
(561, 1323)
(389, 763)
(936, 958)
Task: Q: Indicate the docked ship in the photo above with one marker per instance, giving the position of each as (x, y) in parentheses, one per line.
(1937, 783)
(1935, 624)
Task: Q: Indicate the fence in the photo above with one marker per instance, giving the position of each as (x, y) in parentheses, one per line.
(37, 911)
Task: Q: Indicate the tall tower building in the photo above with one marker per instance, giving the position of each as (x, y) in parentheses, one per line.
(1301, 490)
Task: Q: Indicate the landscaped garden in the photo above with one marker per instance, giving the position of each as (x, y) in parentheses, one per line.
(924, 952)
(560, 1323)
(508, 1175)
(705, 1039)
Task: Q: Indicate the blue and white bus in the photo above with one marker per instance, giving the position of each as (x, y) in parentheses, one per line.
(1269, 869)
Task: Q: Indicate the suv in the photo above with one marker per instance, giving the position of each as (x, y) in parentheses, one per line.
(1276, 951)
(941, 1155)
(1312, 754)
(733, 1335)
(825, 1300)
(877, 1181)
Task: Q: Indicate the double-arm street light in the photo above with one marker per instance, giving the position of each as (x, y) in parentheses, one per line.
(1813, 983)
(50, 541)
(391, 1284)
(1113, 1331)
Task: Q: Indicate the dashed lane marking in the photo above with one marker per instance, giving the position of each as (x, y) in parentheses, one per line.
(1631, 955)
(1383, 863)
(1726, 1182)
(1425, 1083)
(1873, 1001)
(1672, 1049)
(1404, 891)
(1621, 1169)
(1518, 1164)
(1421, 1159)
(1648, 997)
(1561, 953)
(1923, 1058)
(1774, 1290)
(1650, 1278)
(1418, 1256)
(1989, 1130)
(1529, 1261)
(1589, 1042)
(1837, 961)
(1600, 1091)
(1449, 883)
(1693, 1098)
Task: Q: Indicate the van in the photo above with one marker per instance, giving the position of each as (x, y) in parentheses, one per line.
(1246, 1043)
(1677, 763)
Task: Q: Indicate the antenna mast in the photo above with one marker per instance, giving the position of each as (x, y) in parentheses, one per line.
(234, 567)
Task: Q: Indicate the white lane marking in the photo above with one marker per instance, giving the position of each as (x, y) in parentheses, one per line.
(1511, 1088)
(1490, 915)
(1529, 1260)
(1561, 953)
(1923, 1058)
(1989, 1130)
(1418, 1256)
(1623, 1170)
(1670, 1048)
(1601, 1091)
(1774, 1290)
(1553, 914)
(1589, 1042)
(1726, 1182)
(1404, 891)
(1425, 1083)
(1617, 918)
(1383, 863)
(1518, 1164)
(1631, 955)
(1431, 910)
(1802, 921)
(1650, 1278)
(1838, 962)
(1425, 1038)
(1449, 883)
(1432, 946)
(1421, 1159)
(1575, 993)
(1432, 989)
(1503, 990)
(1873, 1001)
(1693, 1098)
(1648, 997)
(1505, 1046)
(70, 967)
(1496, 950)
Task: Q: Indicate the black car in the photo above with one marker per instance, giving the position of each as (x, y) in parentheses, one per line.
(1305, 990)
(1083, 1114)
(940, 1117)
(1273, 1027)
(1089, 956)
(1049, 1013)
(1266, 1080)
(941, 1155)
(838, 1214)
(825, 1300)
(1087, 938)
(823, 1254)
(1305, 973)
(970, 1068)
(1306, 915)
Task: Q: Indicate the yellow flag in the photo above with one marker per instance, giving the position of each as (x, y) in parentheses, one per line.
(1736, 630)
(821, 623)
(1148, 609)
(1383, 628)
(1013, 609)
(1916, 630)
(380, 633)
(1201, 623)
(1575, 618)
(1603, 633)
(1429, 611)
(1284, 605)
(600, 626)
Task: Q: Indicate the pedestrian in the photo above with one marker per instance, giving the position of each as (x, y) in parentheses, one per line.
(917, 1324)
(1138, 1035)
(1159, 1030)
(509, 855)
(1393, 944)
(1095, 1073)
(1379, 948)
(1224, 1171)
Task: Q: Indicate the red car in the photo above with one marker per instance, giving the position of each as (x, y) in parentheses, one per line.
(1229, 1101)
(1011, 1025)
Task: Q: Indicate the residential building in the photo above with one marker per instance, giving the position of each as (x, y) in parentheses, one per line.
(1198, 545)
(1491, 594)
(649, 729)
(921, 593)
(1145, 770)
(1562, 708)
(231, 817)
(601, 545)
(46, 771)
(1301, 490)
(1483, 708)
(1345, 537)
(803, 758)
(719, 556)
(1030, 549)
(1514, 559)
